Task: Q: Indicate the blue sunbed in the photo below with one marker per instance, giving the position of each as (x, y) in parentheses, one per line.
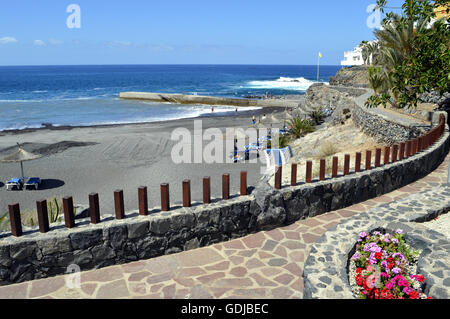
(33, 181)
(14, 183)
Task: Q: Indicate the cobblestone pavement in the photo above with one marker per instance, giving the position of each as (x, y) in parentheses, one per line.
(267, 264)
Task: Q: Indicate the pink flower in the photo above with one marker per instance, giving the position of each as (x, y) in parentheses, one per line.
(371, 281)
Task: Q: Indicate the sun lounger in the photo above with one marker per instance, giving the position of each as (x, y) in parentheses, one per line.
(33, 182)
(14, 183)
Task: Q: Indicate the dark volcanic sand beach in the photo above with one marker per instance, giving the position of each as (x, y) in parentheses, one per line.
(81, 160)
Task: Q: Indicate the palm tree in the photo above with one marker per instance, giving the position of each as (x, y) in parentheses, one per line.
(394, 44)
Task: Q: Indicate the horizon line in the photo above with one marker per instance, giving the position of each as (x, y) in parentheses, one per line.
(143, 64)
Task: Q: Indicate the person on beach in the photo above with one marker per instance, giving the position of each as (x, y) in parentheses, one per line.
(253, 120)
(212, 109)
(236, 111)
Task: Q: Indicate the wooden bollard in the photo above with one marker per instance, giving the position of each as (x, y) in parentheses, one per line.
(415, 146)
(308, 175)
(394, 153)
(15, 222)
(42, 214)
(409, 148)
(186, 193)
(358, 162)
(278, 176)
(165, 200)
(94, 208)
(419, 144)
(346, 164)
(69, 216)
(294, 174)
(378, 157)
(334, 170)
(322, 169)
(226, 186)
(143, 201)
(206, 190)
(119, 206)
(368, 160)
(401, 154)
(387, 153)
(243, 183)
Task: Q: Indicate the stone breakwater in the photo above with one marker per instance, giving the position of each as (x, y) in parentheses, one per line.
(35, 255)
(326, 268)
(206, 100)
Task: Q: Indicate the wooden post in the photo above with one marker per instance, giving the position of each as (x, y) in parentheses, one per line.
(14, 218)
(69, 218)
(278, 175)
(394, 153)
(415, 146)
(226, 186)
(243, 183)
(420, 144)
(322, 169)
(408, 148)
(165, 201)
(143, 201)
(368, 160)
(186, 193)
(387, 153)
(308, 176)
(294, 174)
(346, 164)
(119, 205)
(378, 157)
(358, 162)
(402, 151)
(206, 190)
(42, 214)
(334, 170)
(94, 208)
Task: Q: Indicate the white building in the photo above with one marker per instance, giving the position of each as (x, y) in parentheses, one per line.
(353, 57)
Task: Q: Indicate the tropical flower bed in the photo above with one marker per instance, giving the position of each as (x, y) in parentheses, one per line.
(384, 267)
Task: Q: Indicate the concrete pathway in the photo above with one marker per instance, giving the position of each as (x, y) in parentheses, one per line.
(267, 264)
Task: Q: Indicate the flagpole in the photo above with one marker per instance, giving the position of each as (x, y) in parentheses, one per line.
(318, 63)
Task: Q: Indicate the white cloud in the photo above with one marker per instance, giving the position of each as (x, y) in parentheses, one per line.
(55, 41)
(6, 40)
(39, 43)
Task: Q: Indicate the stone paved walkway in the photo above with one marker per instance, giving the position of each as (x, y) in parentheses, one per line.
(267, 264)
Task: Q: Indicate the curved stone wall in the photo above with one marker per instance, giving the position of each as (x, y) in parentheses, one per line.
(387, 129)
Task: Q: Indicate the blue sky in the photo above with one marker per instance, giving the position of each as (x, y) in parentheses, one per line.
(182, 32)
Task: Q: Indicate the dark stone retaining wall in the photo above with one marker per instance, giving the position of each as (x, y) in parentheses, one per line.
(385, 129)
(36, 255)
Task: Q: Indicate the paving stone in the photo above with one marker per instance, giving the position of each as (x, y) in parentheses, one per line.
(238, 271)
(46, 286)
(223, 265)
(112, 290)
(198, 257)
(206, 279)
(138, 276)
(17, 291)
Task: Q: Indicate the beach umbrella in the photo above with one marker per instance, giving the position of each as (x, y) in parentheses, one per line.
(20, 155)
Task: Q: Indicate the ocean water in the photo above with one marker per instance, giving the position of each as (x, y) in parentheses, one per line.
(33, 96)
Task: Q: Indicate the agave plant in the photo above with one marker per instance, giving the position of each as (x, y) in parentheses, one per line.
(300, 127)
